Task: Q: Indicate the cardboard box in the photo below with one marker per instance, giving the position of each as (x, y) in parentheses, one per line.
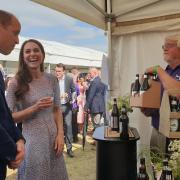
(149, 99)
(166, 115)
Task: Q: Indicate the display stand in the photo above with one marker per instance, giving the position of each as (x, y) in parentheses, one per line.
(116, 159)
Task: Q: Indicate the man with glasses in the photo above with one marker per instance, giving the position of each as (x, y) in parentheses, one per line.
(170, 79)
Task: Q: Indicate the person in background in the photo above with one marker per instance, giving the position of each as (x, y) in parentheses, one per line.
(12, 149)
(75, 107)
(67, 97)
(75, 72)
(37, 93)
(95, 98)
(81, 99)
(7, 80)
(170, 79)
(2, 71)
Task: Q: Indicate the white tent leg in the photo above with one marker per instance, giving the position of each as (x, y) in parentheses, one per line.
(109, 45)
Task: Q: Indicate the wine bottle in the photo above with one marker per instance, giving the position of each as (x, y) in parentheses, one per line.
(115, 117)
(142, 175)
(145, 84)
(178, 109)
(155, 77)
(124, 134)
(136, 86)
(169, 175)
(164, 170)
(174, 123)
(173, 104)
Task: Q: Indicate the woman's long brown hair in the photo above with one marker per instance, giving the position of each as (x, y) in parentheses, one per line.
(23, 76)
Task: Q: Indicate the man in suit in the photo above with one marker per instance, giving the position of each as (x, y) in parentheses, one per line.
(95, 97)
(67, 97)
(11, 140)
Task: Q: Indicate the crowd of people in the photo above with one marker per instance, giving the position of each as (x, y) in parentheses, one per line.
(52, 107)
(48, 108)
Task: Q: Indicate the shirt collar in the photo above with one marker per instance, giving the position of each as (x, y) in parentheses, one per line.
(168, 68)
(94, 78)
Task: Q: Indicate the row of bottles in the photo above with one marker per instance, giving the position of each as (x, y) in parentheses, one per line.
(119, 121)
(166, 173)
(141, 88)
(174, 107)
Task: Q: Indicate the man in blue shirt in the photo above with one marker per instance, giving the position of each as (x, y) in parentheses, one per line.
(11, 141)
(170, 79)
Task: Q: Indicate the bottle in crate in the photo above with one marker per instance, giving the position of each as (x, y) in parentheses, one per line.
(178, 109)
(145, 84)
(174, 106)
(136, 86)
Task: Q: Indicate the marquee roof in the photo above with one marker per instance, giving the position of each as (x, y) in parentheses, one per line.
(61, 53)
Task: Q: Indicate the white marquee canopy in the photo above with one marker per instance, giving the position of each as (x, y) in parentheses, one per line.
(126, 15)
(123, 19)
(61, 53)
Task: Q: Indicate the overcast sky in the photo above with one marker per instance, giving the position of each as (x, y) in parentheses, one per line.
(43, 23)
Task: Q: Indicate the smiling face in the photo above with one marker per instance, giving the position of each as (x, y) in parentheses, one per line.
(171, 52)
(59, 72)
(33, 56)
(9, 36)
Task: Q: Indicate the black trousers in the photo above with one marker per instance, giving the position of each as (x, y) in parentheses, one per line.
(74, 125)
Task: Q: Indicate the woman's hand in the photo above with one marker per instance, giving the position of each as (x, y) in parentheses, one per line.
(59, 144)
(43, 103)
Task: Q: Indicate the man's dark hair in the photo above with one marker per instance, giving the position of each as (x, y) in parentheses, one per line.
(5, 18)
(60, 65)
(74, 67)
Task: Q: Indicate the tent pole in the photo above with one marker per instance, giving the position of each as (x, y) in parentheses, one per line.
(109, 44)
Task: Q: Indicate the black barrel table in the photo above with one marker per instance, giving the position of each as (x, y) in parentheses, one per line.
(116, 159)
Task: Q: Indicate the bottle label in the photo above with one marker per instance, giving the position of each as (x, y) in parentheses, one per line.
(114, 122)
(174, 125)
(141, 92)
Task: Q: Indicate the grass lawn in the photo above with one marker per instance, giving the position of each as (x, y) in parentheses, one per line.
(81, 167)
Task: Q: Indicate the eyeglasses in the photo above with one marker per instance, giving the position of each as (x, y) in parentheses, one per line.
(168, 46)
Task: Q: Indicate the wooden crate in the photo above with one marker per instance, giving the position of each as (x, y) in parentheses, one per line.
(150, 98)
(166, 115)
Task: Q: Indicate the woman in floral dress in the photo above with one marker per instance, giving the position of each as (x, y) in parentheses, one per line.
(38, 95)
